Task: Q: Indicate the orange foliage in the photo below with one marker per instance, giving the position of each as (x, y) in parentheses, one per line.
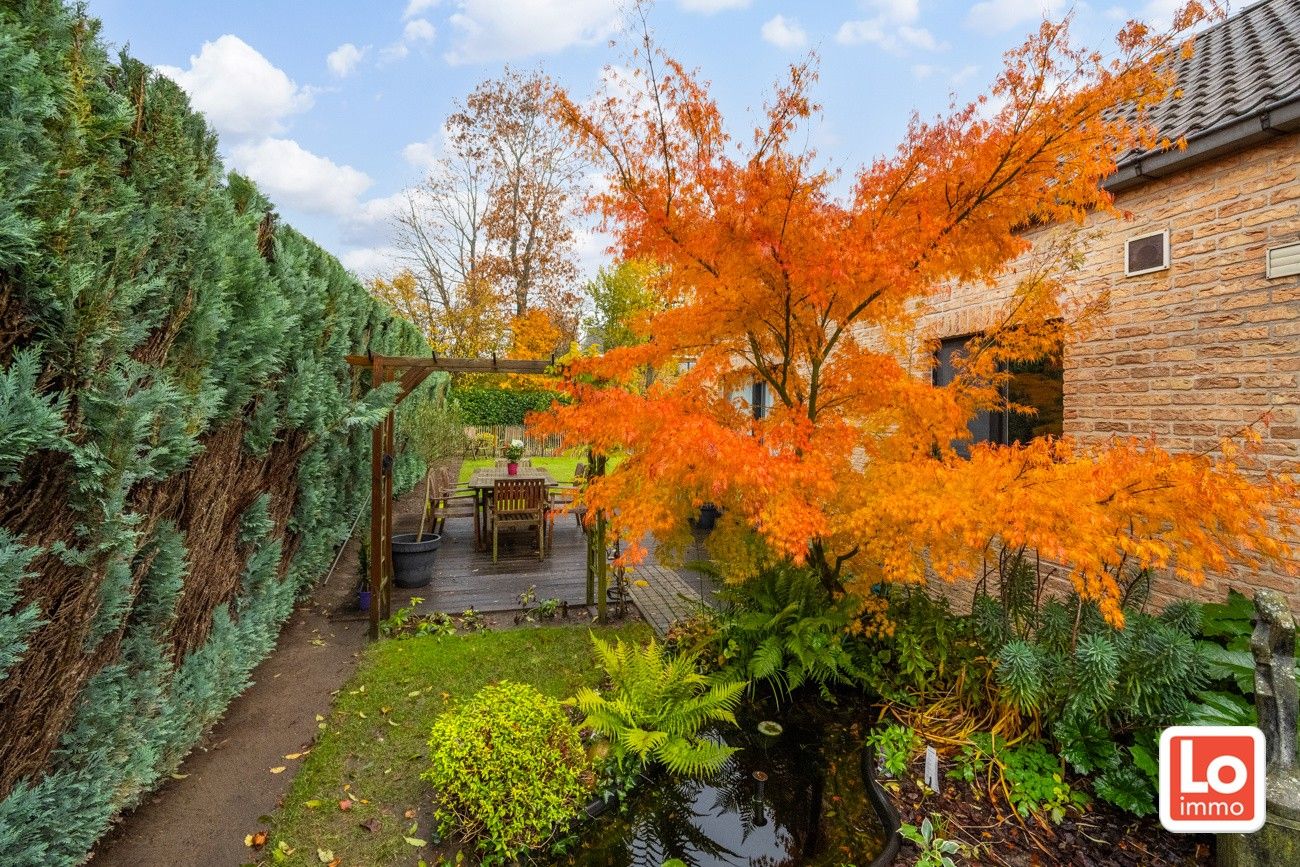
(770, 277)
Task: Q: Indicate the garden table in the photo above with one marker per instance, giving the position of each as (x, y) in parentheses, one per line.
(483, 480)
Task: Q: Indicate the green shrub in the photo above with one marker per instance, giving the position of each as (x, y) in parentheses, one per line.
(485, 406)
(894, 745)
(507, 769)
(656, 707)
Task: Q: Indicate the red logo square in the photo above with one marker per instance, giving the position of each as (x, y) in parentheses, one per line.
(1212, 779)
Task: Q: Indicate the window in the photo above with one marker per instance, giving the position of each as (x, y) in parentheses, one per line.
(758, 402)
(1038, 384)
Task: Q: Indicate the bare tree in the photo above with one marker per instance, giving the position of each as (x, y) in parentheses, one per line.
(493, 223)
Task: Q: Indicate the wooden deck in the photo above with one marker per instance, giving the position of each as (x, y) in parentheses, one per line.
(465, 578)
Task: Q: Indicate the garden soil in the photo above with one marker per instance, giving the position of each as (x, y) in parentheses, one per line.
(227, 783)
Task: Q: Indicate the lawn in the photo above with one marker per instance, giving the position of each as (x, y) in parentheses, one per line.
(358, 796)
(562, 468)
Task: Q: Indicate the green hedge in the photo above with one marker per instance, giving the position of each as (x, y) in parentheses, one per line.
(483, 406)
(182, 445)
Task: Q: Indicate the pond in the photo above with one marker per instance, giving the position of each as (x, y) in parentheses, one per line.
(798, 797)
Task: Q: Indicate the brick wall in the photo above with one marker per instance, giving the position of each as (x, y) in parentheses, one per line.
(1192, 353)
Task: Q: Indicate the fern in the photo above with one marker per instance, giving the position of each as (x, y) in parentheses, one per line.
(788, 632)
(656, 707)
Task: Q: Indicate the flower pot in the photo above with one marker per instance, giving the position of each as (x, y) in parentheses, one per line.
(363, 600)
(708, 516)
(412, 560)
(512, 469)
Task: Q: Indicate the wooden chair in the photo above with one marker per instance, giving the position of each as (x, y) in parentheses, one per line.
(563, 497)
(519, 503)
(448, 500)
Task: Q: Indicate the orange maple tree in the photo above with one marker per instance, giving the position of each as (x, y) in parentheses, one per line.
(769, 276)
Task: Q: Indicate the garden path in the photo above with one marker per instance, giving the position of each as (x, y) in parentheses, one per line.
(226, 783)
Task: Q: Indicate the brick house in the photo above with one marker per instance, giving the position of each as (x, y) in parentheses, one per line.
(1202, 333)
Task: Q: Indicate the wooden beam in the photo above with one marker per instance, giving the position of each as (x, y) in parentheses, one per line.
(453, 365)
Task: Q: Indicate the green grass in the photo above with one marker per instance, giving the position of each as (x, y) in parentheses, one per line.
(561, 468)
(373, 745)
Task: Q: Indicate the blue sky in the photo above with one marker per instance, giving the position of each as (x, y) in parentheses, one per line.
(334, 107)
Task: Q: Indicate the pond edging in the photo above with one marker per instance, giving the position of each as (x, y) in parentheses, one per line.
(885, 809)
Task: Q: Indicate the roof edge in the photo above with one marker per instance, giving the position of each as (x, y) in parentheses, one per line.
(1277, 119)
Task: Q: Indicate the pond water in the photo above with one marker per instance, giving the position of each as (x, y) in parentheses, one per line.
(796, 798)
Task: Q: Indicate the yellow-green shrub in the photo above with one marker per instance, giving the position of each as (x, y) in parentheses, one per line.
(508, 768)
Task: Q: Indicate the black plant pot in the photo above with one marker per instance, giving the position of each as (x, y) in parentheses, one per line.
(412, 560)
(708, 516)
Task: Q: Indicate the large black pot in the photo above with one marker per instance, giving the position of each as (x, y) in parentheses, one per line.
(412, 560)
(708, 516)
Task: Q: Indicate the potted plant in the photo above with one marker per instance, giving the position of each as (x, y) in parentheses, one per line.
(435, 431)
(514, 452)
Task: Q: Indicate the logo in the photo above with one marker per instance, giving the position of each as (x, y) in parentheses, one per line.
(1212, 779)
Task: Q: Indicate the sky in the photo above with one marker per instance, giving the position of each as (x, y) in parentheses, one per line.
(335, 107)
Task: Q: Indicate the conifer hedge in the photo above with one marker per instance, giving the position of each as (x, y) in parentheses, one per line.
(182, 446)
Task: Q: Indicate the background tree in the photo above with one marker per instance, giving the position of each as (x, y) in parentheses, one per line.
(622, 297)
(771, 277)
(489, 234)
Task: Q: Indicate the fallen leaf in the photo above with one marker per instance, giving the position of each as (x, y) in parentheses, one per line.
(319, 717)
(410, 814)
(325, 856)
(336, 862)
(345, 805)
(279, 770)
(179, 776)
(415, 841)
(312, 804)
(413, 693)
(371, 825)
(255, 841)
(293, 756)
(361, 714)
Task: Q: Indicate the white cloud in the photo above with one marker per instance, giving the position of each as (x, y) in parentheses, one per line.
(240, 91)
(893, 27)
(784, 32)
(996, 16)
(489, 30)
(923, 70)
(709, 7)
(344, 60)
(897, 11)
(297, 178)
(418, 7)
(416, 31)
(858, 32)
(421, 154)
(367, 262)
(964, 74)
(371, 223)
(419, 30)
(919, 37)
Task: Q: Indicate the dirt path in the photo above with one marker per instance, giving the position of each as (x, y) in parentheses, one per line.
(227, 782)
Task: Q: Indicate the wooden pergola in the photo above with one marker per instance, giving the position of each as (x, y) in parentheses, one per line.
(409, 372)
